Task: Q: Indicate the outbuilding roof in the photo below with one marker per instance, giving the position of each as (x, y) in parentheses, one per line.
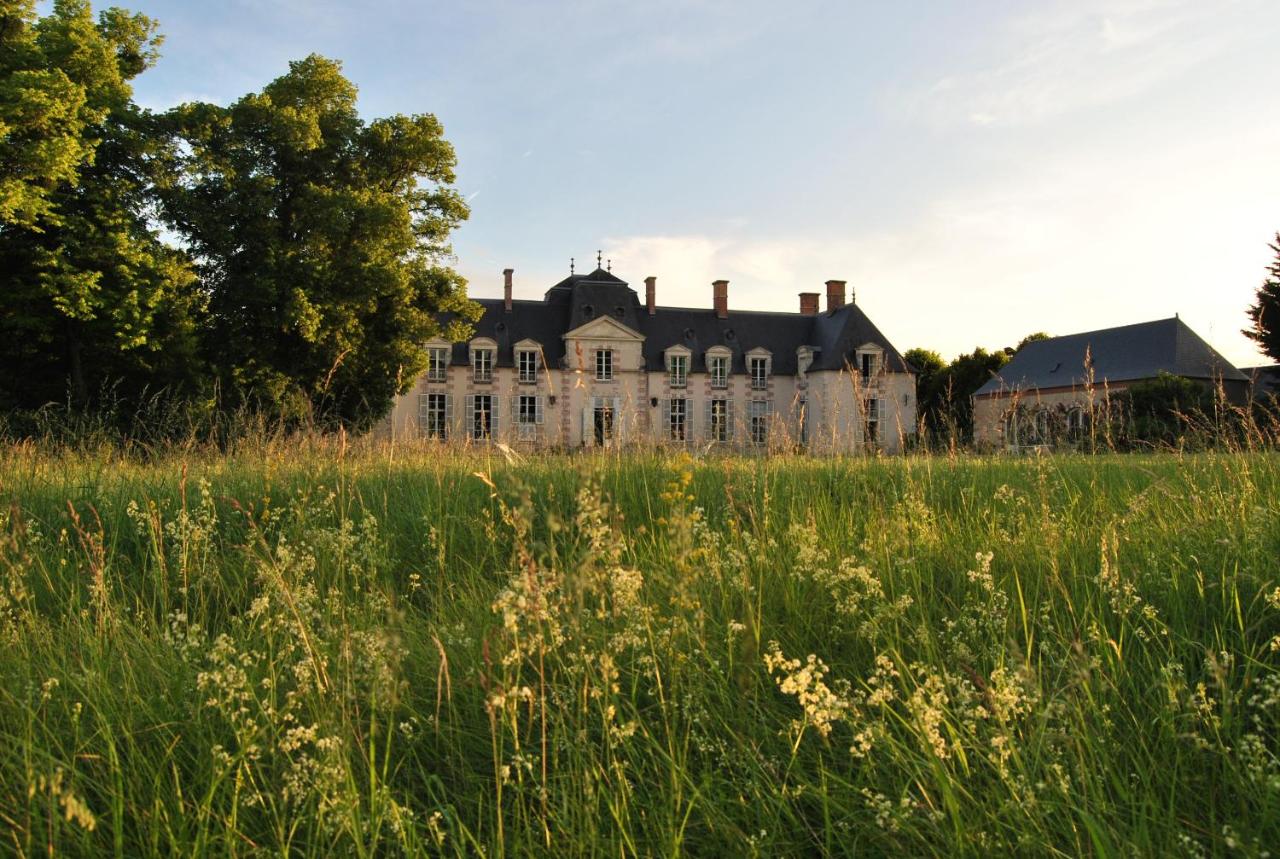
(1124, 354)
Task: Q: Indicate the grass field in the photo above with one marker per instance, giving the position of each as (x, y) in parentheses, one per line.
(308, 650)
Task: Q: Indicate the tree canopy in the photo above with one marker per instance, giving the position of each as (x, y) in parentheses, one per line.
(304, 258)
(1264, 313)
(319, 239)
(92, 299)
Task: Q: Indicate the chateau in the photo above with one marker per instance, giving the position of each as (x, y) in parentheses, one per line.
(591, 365)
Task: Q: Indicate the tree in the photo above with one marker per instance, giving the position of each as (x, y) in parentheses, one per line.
(320, 241)
(1030, 338)
(1163, 409)
(1264, 314)
(43, 113)
(92, 298)
(926, 362)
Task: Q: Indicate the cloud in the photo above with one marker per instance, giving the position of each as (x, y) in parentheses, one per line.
(1070, 57)
(1070, 244)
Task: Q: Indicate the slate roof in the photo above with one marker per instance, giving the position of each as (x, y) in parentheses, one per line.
(1124, 354)
(1265, 380)
(579, 298)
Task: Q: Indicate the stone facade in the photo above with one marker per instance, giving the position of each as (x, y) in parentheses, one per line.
(578, 399)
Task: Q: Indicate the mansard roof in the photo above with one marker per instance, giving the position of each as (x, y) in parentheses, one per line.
(1124, 354)
(579, 298)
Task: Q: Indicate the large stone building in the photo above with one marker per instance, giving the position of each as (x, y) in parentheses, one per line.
(1051, 388)
(592, 365)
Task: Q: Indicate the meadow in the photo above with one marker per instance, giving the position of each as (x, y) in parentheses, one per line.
(309, 649)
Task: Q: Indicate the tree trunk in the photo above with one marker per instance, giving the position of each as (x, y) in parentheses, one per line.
(79, 390)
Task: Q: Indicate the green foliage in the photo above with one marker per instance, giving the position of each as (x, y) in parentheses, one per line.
(93, 300)
(1264, 313)
(1031, 338)
(1162, 410)
(319, 650)
(926, 362)
(945, 396)
(43, 114)
(319, 239)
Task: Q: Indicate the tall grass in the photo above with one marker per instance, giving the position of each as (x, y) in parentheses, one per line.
(319, 648)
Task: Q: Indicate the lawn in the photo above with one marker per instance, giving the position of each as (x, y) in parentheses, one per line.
(318, 648)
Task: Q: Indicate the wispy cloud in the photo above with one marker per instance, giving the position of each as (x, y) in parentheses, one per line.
(1042, 250)
(1065, 58)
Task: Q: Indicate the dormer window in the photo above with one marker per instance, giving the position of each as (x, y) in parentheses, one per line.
(678, 370)
(758, 367)
(482, 365)
(437, 363)
(527, 366)
(870, 361)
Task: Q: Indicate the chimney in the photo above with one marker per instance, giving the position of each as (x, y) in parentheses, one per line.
(651, 293)
(720, 293)
(808, 304)
(835, 295)
(506, 288)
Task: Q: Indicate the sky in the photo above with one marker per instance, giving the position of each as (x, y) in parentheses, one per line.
(975, 170)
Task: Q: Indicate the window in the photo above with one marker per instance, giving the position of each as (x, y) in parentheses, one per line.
(869, 364)
(482, 365)
(527, 365)
(759, 369)
(873, 419)
(604, 365)
(528, 409)
(719, 369)
(481, 417)
(433, 415)
(677, 418)
(1042, 426)
(678, 368)
(1076, 424)
(759, 413)
(718, 420)
(437, 361)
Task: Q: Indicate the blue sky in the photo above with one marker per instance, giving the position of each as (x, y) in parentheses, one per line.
(975, 170)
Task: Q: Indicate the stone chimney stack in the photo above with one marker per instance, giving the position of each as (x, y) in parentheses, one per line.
(651, 294)
(506, 288)
(808, 304)
(720, 294)
(835, 295)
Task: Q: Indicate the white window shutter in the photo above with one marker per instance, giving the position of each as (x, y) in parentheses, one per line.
(665, 430)
(493, 416)
(728, 418)
(538, 417)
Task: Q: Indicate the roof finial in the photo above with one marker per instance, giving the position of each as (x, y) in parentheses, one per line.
(608, 265)
(570, 265)
(598, 254)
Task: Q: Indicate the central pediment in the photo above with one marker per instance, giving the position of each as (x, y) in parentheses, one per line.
(604, 328)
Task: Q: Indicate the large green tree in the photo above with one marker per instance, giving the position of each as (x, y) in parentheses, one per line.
(92, 301)
(321, 241)
(1264, 314)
